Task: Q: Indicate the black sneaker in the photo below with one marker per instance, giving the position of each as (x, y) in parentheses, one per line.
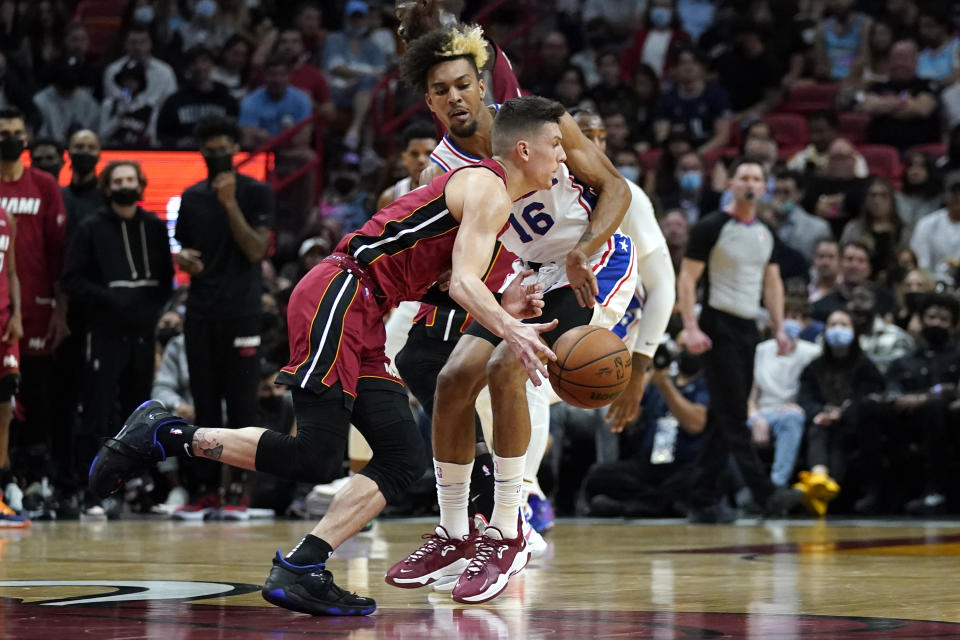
(782, 501)
(310, 589)
(132, 450)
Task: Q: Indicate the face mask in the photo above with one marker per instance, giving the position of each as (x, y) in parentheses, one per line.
(660, 16)
(691, 180)
(863, 319)
(52, 168)
(787, 208)
(166, 334)
(838, 336)
(344, 184)
(143, 14)
(205, 8)
(912, 301)
(935, 336)
(218, 163)
(271, 403)
(11, 148)
(629, 172)
(792, 328)
(689, 364)
(125, 197)
(83, 162)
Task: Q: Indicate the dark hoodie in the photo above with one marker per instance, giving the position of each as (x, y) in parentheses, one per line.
(120, 271)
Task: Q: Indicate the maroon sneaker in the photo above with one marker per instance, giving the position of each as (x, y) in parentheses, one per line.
(494, 561)
(439, 557)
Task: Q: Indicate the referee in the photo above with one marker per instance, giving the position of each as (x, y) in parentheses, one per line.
(737, 254)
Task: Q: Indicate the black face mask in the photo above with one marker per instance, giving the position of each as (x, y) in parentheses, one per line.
(11, 148)
(125, 197)
(913, 300)
(271, 403)
(863, 320)
(344, 184)
(83, 163)
(166, 334)
(52, 168)
(935, 336)
(218, 163)
(689, 364)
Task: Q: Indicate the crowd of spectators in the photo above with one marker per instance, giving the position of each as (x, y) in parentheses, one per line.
(852, 106)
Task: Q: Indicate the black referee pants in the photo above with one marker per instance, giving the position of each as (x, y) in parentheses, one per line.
(729, 371)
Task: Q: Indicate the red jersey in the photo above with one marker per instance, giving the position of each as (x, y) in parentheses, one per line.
(4, 268)
(408, 243)
(41, 235)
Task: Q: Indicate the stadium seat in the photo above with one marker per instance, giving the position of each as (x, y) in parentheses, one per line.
(935, 149)
(852, 125)
(710, 158)
(810, 97)
(789, 129)
(103, 19)
(882, 160)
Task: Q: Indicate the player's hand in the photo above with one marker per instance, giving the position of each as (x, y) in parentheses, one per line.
(57, 329)
(582, 280)
(697, 341)
(525, 341)
(225, 186)
(189, 260)
(443, 281)
(523, 300)
(626, 408)
(14, 329)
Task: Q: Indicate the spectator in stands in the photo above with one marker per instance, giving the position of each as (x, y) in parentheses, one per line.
(343, 199)
(570, 90)
(618, 133)
(595, 43)
(940, 58)
(621, 17)
(304, 75)
(47, 29)
(65, 106)
(841, 39)
(353, 63)
(775, 419)
(202, 29)
(553, 57)
(308, 20)
(656, 41)
(47, 155)
(822, 133)
(905, 110)
(794, 226)
(129, 120)
(17, 90)
(418, 142)
(936, 238)
(663, 179)
(119, 270)
(838, 194)
(76, 46)
(854, 271)
(199, 98)
(642, 104)
(924, 384)
(881, 341)
(233, 65)
(922, 191)
(160, 79)
(826, 268)
(912, 292)
(627, 163)
(694, 195)
(832, 393)
(610, 93)
(749, 72)
(694, 106)
(266, 112)
(676, 231)
(82, 197)
(661, 472)
(879, 227)
(873, 65)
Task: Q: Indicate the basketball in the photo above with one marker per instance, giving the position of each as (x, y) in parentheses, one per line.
(592, 367)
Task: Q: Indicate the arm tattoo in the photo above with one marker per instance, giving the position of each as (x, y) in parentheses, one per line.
(207, 446)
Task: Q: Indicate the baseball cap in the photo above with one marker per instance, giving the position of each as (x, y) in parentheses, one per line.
(356, 6)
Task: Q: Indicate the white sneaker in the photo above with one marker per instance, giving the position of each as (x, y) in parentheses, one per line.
(318, 501)
(13, 496)
(96, 513)
(535, 542)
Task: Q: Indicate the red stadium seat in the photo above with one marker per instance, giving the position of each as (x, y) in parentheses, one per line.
(103, 19)
(935, 149)
(882, 160)
(789, 129)
(811, 97)
(852, 125)
(650, 158)
(710, 158)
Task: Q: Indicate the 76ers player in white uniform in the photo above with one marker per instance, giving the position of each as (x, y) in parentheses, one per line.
(567, 241)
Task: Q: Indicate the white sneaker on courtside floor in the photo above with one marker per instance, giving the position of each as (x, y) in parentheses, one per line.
(538, 546)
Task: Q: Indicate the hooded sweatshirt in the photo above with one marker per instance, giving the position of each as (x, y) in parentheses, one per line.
(120, 271)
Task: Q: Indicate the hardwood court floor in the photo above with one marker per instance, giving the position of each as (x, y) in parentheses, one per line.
(663, 579)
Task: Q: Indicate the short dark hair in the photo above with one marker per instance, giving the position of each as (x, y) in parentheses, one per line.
(215, 126)
(796, 176)
(742, 160)
(47, 142)
(416, 130)
(196, 52)
(827, 115)
(686, 48)
(520, 116)
(12, 113)
(945, 300)
(859, 244)
(277, 60)
(426, 52)
(107, 174)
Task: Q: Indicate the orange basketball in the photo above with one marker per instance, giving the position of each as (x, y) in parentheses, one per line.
(592, 367)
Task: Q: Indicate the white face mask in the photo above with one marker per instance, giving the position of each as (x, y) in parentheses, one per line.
(629, 172)
(144, 14)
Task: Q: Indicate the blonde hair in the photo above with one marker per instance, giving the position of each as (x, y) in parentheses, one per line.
(467, 41)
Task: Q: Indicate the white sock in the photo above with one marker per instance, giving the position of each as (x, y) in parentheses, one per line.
(453, 495)
(508, 478)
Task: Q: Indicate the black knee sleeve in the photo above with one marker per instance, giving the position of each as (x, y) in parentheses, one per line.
(9, 386)
(297, 458)
(382, 414)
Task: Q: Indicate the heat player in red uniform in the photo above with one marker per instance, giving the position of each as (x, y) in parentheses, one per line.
(33, 198)
(11, 323)
(338, 371)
